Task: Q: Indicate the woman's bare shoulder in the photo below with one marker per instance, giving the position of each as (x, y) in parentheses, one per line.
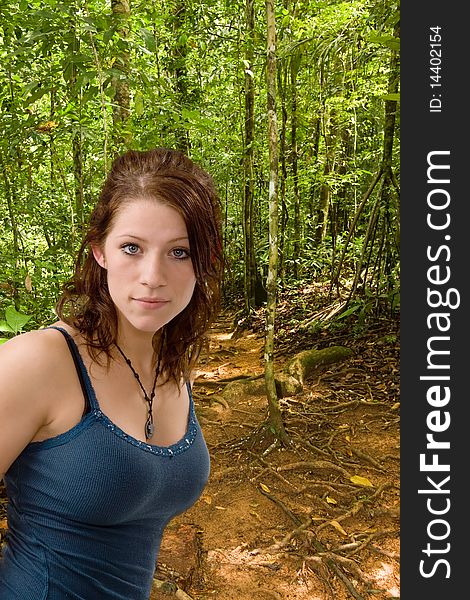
(30, 371)
(38, 351)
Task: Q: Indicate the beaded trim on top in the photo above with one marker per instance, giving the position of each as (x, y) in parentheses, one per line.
(176, 448)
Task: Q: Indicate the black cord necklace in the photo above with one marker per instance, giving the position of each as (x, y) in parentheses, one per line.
(149, 426)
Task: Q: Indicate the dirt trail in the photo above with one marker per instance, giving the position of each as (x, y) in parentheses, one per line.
(290, 523)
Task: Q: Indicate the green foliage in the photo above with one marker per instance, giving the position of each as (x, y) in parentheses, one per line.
(61, 64)
(14, 322)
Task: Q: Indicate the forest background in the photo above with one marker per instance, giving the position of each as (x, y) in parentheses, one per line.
(292, 106)
(84, 80)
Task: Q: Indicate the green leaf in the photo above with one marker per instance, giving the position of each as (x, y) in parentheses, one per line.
(349, 311)
(15, 319)
(183, 39)
(86, 77)
(108, 34)
(149, 40)
(38, 93)
(139, 104)
(5, 328)
(3, 340)
(385, 40)
(394, 97)
(285, 21)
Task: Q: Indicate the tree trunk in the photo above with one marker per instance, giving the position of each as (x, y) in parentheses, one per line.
(282, 79)
(294, 67)
(310, 225)
(180, 73)
(275, 417)
(121, 111)
(250, 261)
(325, 190)
(323, 206)
(75, 95)
(9, 195)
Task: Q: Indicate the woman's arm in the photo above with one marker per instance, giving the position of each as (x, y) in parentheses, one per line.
(25, 380)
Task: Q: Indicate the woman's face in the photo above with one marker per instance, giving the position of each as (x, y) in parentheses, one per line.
(147, 258)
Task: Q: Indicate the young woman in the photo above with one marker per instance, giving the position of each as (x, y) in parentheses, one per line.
(99, 443)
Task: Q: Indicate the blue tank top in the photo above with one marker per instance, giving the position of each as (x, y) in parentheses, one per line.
(87, 508)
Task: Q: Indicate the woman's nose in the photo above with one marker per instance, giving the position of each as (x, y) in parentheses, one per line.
(153, 271)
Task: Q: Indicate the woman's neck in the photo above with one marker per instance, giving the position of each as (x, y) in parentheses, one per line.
(137, 346)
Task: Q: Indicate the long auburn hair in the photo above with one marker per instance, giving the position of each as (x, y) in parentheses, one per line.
(169, 177)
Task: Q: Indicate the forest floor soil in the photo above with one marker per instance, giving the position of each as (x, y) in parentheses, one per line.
(315, 520)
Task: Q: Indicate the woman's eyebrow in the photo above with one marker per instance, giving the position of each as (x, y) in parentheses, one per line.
(136, 237)
(129, 235)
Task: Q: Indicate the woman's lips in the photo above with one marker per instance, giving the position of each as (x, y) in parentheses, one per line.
(151, 303)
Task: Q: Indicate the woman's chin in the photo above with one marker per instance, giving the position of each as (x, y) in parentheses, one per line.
(142, 324)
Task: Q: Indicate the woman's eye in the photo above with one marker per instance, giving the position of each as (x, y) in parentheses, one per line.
(130, 248)
(180, 253)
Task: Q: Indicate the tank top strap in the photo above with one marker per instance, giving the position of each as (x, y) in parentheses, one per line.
(91, 402)
(192, 413)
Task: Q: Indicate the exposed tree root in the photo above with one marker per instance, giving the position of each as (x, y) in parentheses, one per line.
(171, 589)
(367, 458)
(271, 469)
(356, 547)
(357, 506)
(314, 465)
(329, 558)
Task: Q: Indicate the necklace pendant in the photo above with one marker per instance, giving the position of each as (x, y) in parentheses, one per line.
(149, 428)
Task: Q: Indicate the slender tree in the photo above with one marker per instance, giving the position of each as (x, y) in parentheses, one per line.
(282, 82)
(77, 140)
(13, 223)
(248, 156)
(275, 417)
(323, 209)
(180, 70)
(121, 13)
(294, 69)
